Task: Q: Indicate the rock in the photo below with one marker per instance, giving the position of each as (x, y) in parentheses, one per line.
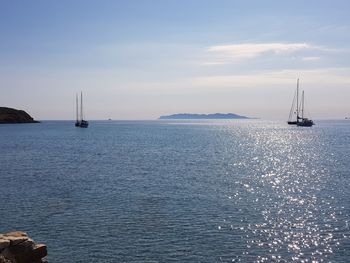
(4, 260)
(38, 252)
(4, 243)
(16, 237)
(25, 246)
(9, 115)
(16, 240)
(16, 234)
(8, 255)
(17, 247)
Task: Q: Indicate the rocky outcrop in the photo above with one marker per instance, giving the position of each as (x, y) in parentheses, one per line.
(9, 115)
(18, 247)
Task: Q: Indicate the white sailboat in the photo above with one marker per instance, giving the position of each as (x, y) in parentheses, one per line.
(294, 116)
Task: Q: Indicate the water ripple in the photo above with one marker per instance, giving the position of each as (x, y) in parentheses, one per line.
(227, 191)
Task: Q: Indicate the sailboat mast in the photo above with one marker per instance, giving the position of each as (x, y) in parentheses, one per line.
(76, 106)
(81, 106)
(302, 105)
(297, 100)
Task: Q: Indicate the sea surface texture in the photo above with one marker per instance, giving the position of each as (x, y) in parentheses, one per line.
(179, 191)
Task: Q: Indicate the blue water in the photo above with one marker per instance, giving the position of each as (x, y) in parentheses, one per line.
(184, 191)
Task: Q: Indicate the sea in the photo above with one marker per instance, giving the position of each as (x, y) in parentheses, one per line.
(179, 191)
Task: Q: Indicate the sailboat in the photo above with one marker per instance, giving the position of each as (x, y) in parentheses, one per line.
(304, 121)
(296, 109)
(80, 122)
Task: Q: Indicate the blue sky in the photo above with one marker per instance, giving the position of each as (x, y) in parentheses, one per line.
(142, 59)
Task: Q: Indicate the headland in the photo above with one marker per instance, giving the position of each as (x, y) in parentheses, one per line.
(10, 115)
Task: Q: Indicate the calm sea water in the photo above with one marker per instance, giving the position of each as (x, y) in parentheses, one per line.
(166, 191)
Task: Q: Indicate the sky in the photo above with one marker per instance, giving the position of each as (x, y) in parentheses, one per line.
(140, 59)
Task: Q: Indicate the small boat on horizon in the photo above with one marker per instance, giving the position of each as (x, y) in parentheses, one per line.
(80, 122)
(299, 108)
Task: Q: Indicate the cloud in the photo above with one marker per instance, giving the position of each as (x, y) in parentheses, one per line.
(239, 52)
(310, 58)
(318, 77)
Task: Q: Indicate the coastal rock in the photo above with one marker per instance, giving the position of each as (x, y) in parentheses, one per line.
(9, 115)
(4, 260)
(6, 253)
(25, 246)
(16, 234)
(4, 243)
(16, 240)
(34, 255)
(18, 247)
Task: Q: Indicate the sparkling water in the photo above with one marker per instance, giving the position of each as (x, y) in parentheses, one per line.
(179, 191)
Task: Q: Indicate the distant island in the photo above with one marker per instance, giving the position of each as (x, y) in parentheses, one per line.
(203, 116)
(9, 115)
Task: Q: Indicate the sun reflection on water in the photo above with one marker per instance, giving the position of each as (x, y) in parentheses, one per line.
(295, 220)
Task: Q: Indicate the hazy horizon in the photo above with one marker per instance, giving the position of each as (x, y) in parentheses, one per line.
(138, 60)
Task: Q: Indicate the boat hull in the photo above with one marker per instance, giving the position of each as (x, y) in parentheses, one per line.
(305, 123)
(82, 124)
(302, 123)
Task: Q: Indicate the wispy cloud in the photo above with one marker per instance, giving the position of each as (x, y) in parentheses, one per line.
(310, 58)
(317, 77)
(239, 52)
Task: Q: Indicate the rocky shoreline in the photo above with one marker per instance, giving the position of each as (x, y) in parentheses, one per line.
(10, 115)
(18, 247)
